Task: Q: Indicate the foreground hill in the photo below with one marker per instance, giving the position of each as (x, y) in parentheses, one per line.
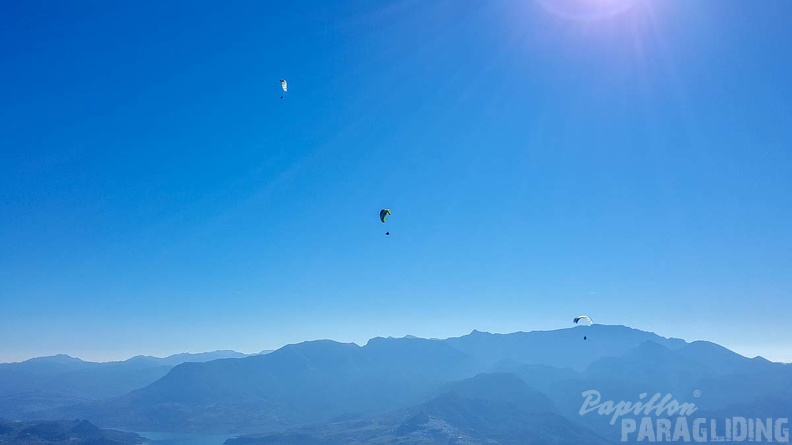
(493, 409)
(75, 432)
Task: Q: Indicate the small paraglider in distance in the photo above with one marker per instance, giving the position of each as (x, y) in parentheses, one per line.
(284, 86)
(582, 317)
(383, 215)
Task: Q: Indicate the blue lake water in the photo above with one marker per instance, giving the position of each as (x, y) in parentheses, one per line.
(185, 439)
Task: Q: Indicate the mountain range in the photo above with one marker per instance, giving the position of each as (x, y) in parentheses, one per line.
(49, 382)
(525, 387)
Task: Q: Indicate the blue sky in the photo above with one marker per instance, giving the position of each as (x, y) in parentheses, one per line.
(625, 159)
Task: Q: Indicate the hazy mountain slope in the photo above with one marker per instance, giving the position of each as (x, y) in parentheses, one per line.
(713, 378)
(49, 382)
(306, 382)
(486, 409)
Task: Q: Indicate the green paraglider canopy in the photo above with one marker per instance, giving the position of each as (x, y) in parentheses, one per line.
(384, 214)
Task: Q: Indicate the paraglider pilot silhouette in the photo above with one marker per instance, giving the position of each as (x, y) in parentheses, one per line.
(383, 216)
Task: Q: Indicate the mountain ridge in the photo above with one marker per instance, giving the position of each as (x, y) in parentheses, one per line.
(324, 382)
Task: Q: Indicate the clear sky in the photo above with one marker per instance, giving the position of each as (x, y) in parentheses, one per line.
(626, 159)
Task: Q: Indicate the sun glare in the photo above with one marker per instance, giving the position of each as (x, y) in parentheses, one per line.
(586, 10)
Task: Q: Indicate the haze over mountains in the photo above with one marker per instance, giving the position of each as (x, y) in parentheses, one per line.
(49, 382)
(501, 388)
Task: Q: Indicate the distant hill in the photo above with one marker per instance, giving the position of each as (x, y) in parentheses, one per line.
(178, 359)
(49, 382)
(74, 432)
